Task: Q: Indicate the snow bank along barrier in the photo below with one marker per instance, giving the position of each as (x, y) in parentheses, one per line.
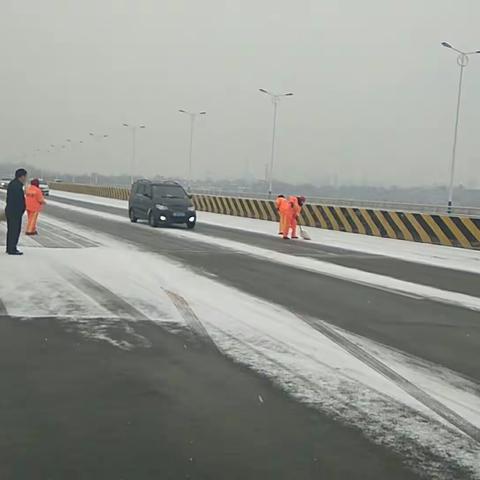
(449, 230)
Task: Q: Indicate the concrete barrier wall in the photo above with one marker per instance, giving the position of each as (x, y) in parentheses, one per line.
(457, 231)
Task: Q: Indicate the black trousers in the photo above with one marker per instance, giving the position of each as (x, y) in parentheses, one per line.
(14, 227)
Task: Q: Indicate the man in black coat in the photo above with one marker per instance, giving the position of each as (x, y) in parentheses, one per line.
(14, 210)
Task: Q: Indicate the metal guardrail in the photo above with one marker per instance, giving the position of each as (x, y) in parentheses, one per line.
(345, 202)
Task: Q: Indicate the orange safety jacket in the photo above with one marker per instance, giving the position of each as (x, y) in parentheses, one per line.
(282, 205)
(295, 208)
(34, 199)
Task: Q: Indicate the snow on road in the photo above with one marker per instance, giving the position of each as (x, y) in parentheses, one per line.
(373, 280)
(118, 282)
(436, 255)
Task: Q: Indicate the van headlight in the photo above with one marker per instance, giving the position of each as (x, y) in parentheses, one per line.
(161, 207)
(191, 209)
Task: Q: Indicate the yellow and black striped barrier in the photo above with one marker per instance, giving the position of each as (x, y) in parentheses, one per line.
(446, 230)
(118, 193)
(240, 207)
(419, 227)
(449, 230)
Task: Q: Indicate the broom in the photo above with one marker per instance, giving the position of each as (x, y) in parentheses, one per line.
(304, 234)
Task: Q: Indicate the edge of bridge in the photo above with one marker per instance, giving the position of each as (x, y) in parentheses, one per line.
(439, 229)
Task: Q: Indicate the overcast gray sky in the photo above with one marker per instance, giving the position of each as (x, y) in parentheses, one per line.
(374, 92)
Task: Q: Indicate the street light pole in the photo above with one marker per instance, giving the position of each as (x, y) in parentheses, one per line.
(95, 137)
(272, 156)
(462, 61)
(193, 116)
(275, 99)
(134, 147)
(190, 153)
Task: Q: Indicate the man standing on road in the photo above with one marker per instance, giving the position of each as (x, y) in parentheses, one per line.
(14, 210)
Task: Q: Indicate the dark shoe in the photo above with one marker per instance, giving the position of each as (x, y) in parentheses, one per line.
(17, 252)
(294, 238)
(286, 238)
(28, 234)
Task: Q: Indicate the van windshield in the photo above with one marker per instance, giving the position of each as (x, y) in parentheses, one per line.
(168, 191)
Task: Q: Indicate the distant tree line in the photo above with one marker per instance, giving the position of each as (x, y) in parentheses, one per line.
(435, 195)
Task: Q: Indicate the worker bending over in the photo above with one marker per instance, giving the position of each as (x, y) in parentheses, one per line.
(295, 209)
(34, 201)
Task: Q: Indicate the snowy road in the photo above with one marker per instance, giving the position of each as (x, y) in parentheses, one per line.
(275, 360)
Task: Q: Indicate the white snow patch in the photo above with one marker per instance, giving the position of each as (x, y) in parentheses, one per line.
(456, 392)
(32, 287)
(424, 253)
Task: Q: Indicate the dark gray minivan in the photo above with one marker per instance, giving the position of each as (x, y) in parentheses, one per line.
(161, 203)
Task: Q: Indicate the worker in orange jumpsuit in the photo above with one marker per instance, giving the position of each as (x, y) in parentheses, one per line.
(282, 206)
(295, 209)
(34, 201)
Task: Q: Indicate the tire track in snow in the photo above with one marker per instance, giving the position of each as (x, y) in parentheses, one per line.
(105, 297)
(413, 390)
(52, 239)
(190, 317)
(54, 236)
(421, 458)
(110, 301)
(3, 308)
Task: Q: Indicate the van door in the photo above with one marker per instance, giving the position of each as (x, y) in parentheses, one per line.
(144, 200)
(131, 199)
(139, 201)
(147, 199)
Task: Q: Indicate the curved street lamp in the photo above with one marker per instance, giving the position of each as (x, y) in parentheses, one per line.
(133, 128)
(193, 116)
(462, 61)
(275, 99)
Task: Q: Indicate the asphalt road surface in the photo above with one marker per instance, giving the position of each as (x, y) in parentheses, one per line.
(78, 409)
(416, 326)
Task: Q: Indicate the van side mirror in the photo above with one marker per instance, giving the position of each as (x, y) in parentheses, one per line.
(190, 196)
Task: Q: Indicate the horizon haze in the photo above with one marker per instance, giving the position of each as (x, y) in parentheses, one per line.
(374, 92)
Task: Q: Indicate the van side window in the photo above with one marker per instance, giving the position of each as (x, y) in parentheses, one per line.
(148, 190)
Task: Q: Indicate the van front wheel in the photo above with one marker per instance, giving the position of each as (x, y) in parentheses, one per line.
(152, 221)
(132, 216)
